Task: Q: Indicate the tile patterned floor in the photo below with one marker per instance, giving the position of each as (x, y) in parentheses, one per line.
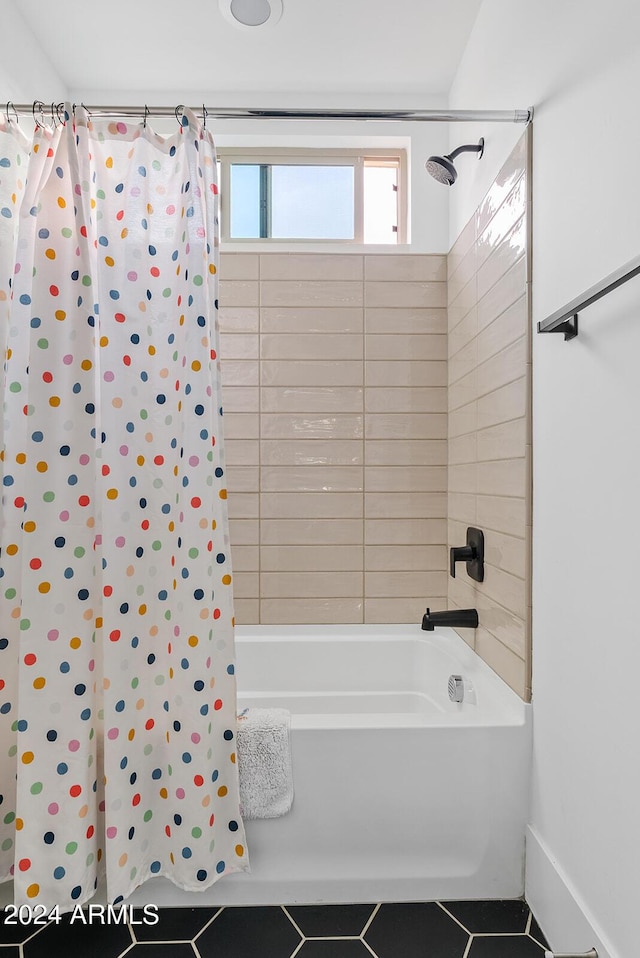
(454, 929)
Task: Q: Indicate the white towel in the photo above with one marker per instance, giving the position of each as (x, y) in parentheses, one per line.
(264, 762)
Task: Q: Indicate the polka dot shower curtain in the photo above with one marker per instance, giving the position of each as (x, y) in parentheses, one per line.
(117, 687)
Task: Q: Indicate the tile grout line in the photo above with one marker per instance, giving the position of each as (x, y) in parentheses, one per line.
(260, 437)
(364, 441)
(453, 917)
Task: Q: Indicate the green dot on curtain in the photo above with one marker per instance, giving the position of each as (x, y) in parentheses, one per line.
(12, 751)
(9, 817)
(6, 845)
(25, 624)
(79, 551)
(144, 414)
(156, 165)
(49, 496)
(148, 749)
(148, 815)
(175, 356)
(90, 858)
(15, 387)
(157, 483)
(135, 683)
(43, 344)
(159, 680)
(10, 594)
(166, 292)
(36, 788)
(86, 281)
(196, 832)
(167, 616)
(156, 545)
(71, 848)
(197, 280)
(30, 409)
(100, 194)
(194, 553)
(66, 232)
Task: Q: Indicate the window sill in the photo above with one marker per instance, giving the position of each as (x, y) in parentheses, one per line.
(285, 246)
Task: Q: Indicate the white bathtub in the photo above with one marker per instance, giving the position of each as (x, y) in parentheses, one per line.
(400, 794)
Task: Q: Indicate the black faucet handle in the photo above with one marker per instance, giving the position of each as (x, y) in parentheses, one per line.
(472, 554)
(459, 554)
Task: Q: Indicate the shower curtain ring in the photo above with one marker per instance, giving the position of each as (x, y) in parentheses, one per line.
(40, 105)
(10, 104)
(204, 117)
(179, 111)
(55, 114)
(146, 114)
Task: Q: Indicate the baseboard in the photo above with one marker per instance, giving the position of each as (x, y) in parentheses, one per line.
(561, 914)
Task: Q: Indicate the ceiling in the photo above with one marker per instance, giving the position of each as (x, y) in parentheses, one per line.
(318, 46)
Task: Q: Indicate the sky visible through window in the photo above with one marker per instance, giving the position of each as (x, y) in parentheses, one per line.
(312, 202)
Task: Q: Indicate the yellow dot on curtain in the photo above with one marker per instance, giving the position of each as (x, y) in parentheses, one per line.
(86, 364)
(222, 791)
(223, 493)
(21, 458)
(109, 162)
(196, 365)
(33, 890)
(112, 493)
(212, 268)
(104, 340)
(54, 401)
(140, 460)
(226, 580)
(124, 233)
(75, 642)
(98, 622)
(42, 466)
(62, 203)
(19, 824)
(40, 682)
(44, 587)
(109, 260)
(50, 253)
(27, 758)
(193, 641)
(30, 527)
(60, 315)
(239, 851)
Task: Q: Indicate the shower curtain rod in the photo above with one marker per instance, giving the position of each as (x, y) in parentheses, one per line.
(235, 113)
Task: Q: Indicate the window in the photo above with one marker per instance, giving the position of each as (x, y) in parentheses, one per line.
(312, 196)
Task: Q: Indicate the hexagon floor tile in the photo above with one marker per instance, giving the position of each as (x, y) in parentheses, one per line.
(450, 929)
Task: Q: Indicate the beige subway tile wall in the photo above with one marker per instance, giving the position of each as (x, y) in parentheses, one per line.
(334, 371)
(489, 423)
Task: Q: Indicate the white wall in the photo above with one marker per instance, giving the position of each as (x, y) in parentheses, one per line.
(26, 73)
(579, 65)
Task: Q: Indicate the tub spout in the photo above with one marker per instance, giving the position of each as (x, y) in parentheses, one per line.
(455, 619)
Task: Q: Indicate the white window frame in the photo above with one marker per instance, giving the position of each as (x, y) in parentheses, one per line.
(314, 157)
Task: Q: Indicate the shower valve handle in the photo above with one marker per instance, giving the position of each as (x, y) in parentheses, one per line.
(460, 554)
(472, 554)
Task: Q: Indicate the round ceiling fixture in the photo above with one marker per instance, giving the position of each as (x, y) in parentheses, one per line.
(247, 14)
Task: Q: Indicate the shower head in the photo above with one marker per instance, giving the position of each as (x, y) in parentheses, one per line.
(442, 169)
